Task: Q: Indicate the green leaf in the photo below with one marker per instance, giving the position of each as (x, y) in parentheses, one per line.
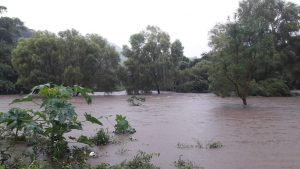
(92, 119)
(83, 92)
(85, 140)
(39, 87)
(40, 114)
(23, 99)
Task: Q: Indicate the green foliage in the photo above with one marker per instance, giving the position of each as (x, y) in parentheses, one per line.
(85, 140)
(122, 125)
(34, 165)
(194, 77)
(149, 63)
(92, 119)
(56, 117)
(67, 58)
(192, 86)
(140, 161)
(102, 137)
(17, 119)
(136, 100)
(101, 166)
(185, 164)
(214, 145)
(256, 49)
(11, 29)
(270, 87)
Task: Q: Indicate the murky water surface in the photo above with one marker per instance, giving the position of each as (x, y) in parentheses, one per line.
(265, 135)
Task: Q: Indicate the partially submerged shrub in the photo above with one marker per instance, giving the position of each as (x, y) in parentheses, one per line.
(214, 145)
(136, 100)
(269, 88)
(86, 140)
(185, 164)
(102, 137)
(140, 161)
(52, 121)
(194, 86)
(183, 145)
(122, 125)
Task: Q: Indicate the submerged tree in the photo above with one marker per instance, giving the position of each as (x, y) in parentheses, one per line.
(248, 49)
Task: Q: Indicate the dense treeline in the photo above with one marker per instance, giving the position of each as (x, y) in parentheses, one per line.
(256, 52)
(67, 58)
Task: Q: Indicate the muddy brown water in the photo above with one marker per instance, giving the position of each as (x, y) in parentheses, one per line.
(265, 135)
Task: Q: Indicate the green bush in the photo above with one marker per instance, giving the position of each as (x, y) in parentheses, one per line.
(214, 145)
(195, 86)
(136, 100)
(140, 161)
(269, 88)
(101, 137)
(55, 118)
(185, 164)
(122, 125)
(16, 119)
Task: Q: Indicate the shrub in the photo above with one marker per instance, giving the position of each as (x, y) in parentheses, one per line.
(55, 118)
(185, 164)
(102, 137)
(194, 86)
(214, 145)
(136, 100)
(16, 119)
(140, 161)
(122, 125)
(269, 88)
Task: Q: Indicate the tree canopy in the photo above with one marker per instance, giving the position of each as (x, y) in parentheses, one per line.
(67, 58)
(250, 48)
(11, 29)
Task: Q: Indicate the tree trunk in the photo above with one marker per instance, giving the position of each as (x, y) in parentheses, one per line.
(158, 90)
(156, 84)
(244, 101)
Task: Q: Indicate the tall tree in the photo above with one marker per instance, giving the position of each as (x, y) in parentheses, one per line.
(149, 60)
(11, 29)
(246, 49)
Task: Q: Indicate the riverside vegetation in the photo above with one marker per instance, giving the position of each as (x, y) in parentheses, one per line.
(44, 130)
(256, 52)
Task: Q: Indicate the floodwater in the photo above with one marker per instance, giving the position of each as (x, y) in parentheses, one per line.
(264, 135)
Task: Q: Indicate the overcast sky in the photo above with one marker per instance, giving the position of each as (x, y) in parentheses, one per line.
(186, 20)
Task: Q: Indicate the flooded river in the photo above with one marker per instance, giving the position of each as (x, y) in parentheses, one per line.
(264, 135)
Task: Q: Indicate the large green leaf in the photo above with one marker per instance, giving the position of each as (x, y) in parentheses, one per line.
(85, 140)
(83, 92)
(23, 99)
(92, 119)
